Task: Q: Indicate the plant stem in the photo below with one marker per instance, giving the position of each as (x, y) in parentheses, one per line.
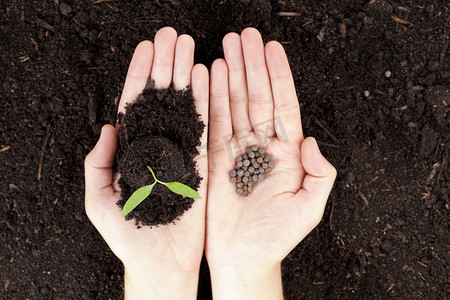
(153, 174)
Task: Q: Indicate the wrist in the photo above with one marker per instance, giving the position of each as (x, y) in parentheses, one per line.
(246, 282)
(144, 283)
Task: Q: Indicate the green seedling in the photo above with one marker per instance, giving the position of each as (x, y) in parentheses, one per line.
(140, 194)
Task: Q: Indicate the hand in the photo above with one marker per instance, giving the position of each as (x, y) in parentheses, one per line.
(253, 101)
(160, 262)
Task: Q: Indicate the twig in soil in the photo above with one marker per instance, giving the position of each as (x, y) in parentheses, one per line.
(331, 215)
(45, 25)
(6, 148)
(327, 131)
(42, 156)
(288, 14)
(100, 1)
(401, 21)
(443, 165)
(328, 145)
(361, 195)
(432, 173)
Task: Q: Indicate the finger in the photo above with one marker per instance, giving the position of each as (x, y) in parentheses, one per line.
(138, 74)
(98, 167)
(232, 49)
(288, 125)
(165, 40)
(260, 102)
(316, 186)
(200, 93)
(220, 130)
(184, 60)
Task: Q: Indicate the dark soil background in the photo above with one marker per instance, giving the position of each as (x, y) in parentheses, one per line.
(385, 229)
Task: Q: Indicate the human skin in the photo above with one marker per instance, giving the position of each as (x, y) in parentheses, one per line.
(253, 101)
(160, 262)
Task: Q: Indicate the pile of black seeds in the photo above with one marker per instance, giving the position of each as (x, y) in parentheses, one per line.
(250, 169)
(161, 130)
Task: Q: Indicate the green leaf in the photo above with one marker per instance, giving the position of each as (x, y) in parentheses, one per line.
(182, 189)
(138, 196)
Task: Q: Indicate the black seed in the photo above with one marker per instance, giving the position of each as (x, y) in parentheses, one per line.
(271, 164)
(250, 189)
(251, 154)
(238, 179)
(244, 156)
(261, 170)
(239, 164)
(246, 173)
(244, 168)
(267, 158)
(261, 151)
(255, 177)
(265, 165)
(245, 188)
(260, 177)
(245, 179)
(254, 148)
(257, 154)
(259, 160)
(245, 194)
(239, 158)
(240, 173)
(248, 149)
(239, 185)
(251, 169)
(256, 171)
(240, 191)
(246, 163)
(253, 160)
(268, 170)
(250, 183)
(233, 179)
(233, 173)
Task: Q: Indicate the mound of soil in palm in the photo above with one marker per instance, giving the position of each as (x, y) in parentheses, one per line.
(160, 130)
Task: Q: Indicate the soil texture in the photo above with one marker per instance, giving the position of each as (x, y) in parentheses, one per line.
(160, 130)
(384, 234)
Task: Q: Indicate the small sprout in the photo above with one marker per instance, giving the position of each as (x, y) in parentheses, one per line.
(140, 194)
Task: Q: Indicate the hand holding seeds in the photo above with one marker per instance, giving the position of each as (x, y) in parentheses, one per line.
(268, 185)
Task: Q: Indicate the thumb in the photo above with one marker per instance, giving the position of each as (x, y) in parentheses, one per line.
(317, 183)
(99, 162)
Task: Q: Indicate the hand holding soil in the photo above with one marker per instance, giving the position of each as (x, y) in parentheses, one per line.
(159, 261)
(253, 102)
